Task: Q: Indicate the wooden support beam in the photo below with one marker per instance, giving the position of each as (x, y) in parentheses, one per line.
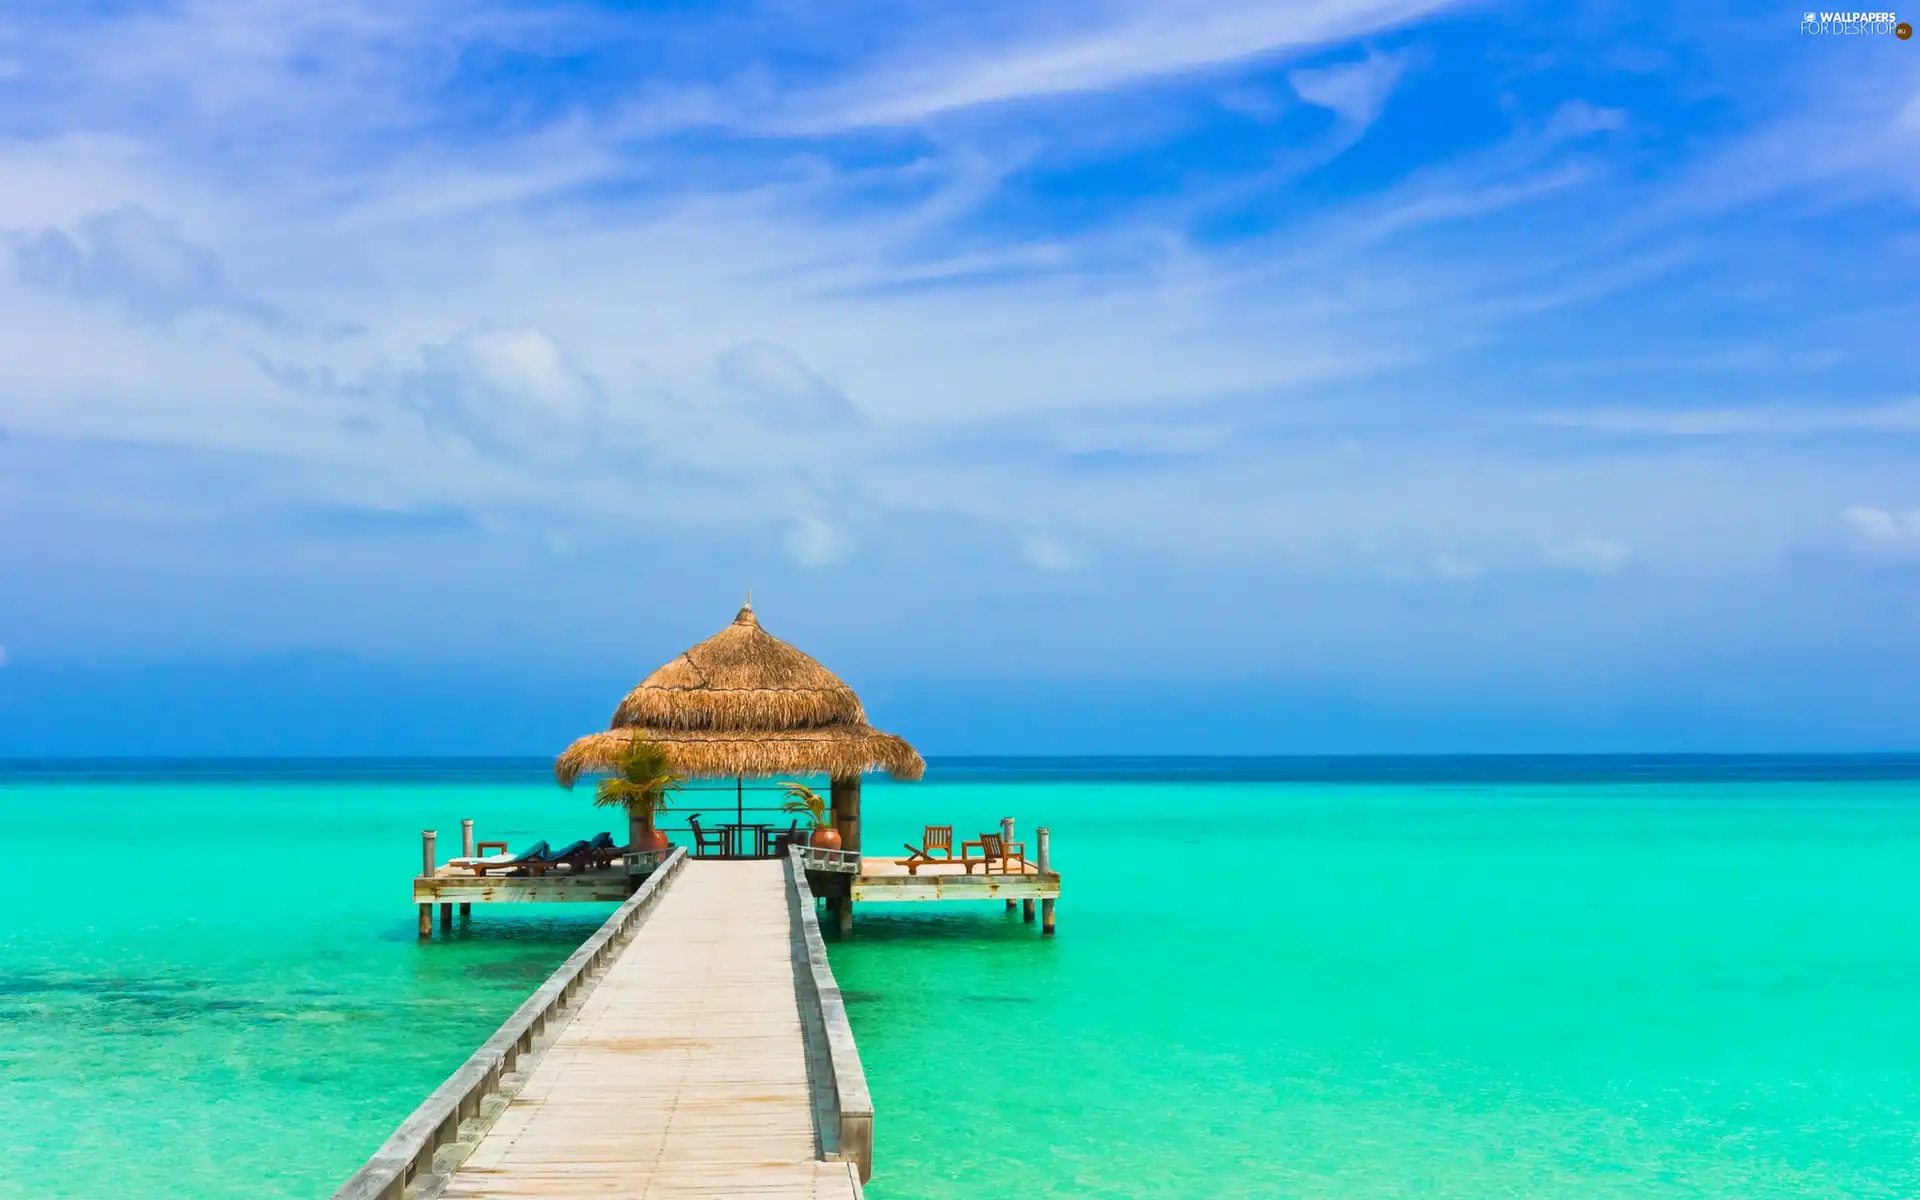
(846, 811)
(446, 917)
(844, 915)
(1046, 918)
(1026, 910)
(426, 920)
(466, 910)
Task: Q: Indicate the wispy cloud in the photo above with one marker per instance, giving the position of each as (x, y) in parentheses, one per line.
(1354, 92)
(1881, 531)
(1126, 44)
(131, 258)
(1901, 417)
(812, 542)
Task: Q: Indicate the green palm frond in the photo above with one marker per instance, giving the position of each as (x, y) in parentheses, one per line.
(643, 777)
(803, 799)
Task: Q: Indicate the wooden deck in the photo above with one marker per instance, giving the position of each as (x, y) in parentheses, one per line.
(684, 1073)
(885, 879)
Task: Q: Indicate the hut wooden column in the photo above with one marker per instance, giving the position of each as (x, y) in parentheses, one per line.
(846, 812)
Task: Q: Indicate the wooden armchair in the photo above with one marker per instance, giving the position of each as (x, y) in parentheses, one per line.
(995, 849)
(704, 839)
(936, 845)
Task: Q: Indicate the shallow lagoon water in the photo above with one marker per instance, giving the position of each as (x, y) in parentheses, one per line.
(1676, 986)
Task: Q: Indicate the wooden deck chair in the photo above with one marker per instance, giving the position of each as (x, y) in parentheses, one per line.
(996, 849)
(936, 845)
(703, 839)
(481, 860)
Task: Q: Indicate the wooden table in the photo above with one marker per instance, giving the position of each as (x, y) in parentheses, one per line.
(734, 831)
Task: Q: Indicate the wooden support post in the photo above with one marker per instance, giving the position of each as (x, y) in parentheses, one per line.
(426, 868)
(845, 915)
(1044, 860)
(846, 811)
(466, 910)
(1026, 910)
(466, 838)
(446, 917)
(1006, 839)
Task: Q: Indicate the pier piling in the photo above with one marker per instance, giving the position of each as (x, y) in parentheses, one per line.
(427, 864)
(1044, 837)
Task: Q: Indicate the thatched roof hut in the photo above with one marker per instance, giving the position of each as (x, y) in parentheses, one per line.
(743, 703)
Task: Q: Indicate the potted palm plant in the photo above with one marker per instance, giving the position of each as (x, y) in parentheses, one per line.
(643, 777)
(803, 799)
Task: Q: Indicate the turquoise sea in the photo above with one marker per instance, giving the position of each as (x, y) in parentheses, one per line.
(1386, 978)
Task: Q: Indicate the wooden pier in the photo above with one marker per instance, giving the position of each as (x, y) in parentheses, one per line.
(696, 1046)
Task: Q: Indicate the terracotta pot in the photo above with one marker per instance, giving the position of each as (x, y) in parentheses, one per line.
(825, 839)
(643, 836)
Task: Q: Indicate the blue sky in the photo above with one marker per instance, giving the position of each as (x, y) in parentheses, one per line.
(1344, 376)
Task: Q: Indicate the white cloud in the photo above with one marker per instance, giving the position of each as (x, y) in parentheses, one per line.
(1049, 554)
(1592, 556)
(502, 389)
(1355, 92)
(1881, 530)
(812, 542)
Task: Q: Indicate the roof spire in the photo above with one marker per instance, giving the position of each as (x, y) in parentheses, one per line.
(745, 615)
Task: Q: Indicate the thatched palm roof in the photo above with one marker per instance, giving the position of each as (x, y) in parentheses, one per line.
(743, 702)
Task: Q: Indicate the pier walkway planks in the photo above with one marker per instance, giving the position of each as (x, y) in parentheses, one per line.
(684, 1072)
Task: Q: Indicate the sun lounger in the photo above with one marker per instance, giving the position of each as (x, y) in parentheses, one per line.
(481, 864)
(936, 846)
(573, 854)
(601, 850)
(478, 863)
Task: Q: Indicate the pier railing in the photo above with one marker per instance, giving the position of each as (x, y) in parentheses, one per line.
(408, 1155)
(844, 1107)
(818, 858)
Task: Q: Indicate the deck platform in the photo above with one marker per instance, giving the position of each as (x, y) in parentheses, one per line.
(450, 886)
(884, 879)
(878, 880)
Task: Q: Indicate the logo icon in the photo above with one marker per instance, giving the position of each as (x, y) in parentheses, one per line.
(1903, 31)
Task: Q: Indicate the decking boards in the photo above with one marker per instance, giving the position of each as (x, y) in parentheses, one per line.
(684, 1072)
